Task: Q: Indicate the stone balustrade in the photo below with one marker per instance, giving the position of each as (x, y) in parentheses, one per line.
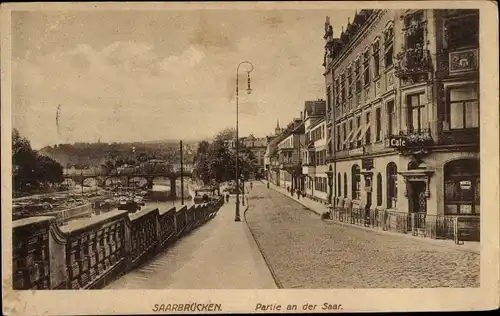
(91, 253)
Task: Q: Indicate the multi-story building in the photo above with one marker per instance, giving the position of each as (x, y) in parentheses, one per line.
(403, 86)
(283, 155)
(258, 148)
(270, 157)
(290, 169)
(314, 153)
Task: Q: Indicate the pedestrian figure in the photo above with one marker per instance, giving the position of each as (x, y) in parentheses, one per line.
(227, 197)
(293, 193)
(251, 185)
(298, 194)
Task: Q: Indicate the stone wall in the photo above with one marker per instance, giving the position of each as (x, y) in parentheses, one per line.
(91, 254)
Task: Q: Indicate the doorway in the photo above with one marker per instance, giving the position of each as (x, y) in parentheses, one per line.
(417, 205)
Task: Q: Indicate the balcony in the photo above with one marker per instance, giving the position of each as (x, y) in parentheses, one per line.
(410, 140)
(413, 64)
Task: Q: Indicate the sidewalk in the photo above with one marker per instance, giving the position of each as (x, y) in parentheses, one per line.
(221, 254)
(319, 208)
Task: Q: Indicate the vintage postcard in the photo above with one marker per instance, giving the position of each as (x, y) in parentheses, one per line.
(249, 157)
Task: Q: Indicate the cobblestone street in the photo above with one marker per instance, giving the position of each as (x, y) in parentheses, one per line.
(306, 252)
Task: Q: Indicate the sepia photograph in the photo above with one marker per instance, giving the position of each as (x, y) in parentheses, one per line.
(248, 146)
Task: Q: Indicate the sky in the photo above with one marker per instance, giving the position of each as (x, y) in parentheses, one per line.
(118, 76)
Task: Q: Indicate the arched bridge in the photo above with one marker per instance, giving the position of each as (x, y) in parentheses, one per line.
(126, 177)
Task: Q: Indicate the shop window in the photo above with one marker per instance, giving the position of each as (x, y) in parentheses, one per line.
(417, 114)
(339, 185)
(345, 184)
(462, 187)
(392, 185)
(462, 29)
(379, 189)
(463, 107)
(355, 182)
(391, 118)
(378, 125)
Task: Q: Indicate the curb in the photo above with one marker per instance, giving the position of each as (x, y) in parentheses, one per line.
(273, 274)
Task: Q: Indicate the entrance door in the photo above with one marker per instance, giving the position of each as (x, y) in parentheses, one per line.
(418, 204)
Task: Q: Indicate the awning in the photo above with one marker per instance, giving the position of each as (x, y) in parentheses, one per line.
(348, 137)
(353, 137)
(363, 131)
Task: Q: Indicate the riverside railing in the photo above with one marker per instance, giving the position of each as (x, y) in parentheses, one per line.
(457, 228)
(96, 251)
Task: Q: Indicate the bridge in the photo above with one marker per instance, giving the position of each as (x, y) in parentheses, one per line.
(126, 177)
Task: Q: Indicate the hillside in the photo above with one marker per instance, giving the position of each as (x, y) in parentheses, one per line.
(94, 154)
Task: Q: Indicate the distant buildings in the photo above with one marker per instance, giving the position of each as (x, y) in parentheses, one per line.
(256, 145)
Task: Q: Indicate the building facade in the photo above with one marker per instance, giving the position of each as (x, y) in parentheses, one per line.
(403, 112)
(314, 153)
(258, 148)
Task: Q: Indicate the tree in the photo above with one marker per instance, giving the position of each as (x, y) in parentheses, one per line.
(217, 162)
(31, 170)
(48, 171)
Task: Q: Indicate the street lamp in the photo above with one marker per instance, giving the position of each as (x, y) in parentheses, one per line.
(249, 90)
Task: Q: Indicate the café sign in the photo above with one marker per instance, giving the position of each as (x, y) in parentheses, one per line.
(396, 142)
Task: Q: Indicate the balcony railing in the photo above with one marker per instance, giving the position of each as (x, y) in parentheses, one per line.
(412, 61)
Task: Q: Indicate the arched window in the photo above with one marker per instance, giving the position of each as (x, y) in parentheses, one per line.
(355, 182)
(345, 184)
(461, 187)
(339, 185)
(379, 189)
(392, 185)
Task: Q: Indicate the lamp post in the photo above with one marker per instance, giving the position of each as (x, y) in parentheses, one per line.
(249, 90)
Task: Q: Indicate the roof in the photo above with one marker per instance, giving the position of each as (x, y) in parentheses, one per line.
(316, 122)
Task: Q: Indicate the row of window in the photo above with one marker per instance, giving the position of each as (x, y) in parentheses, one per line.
(286, 143)
(462, 112)
(316, 134)
(315, 158)
(349, 81)
(321, 184)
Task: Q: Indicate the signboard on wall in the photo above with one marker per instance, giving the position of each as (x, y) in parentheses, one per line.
(465, 185)
(395, 142)
(367, 163)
